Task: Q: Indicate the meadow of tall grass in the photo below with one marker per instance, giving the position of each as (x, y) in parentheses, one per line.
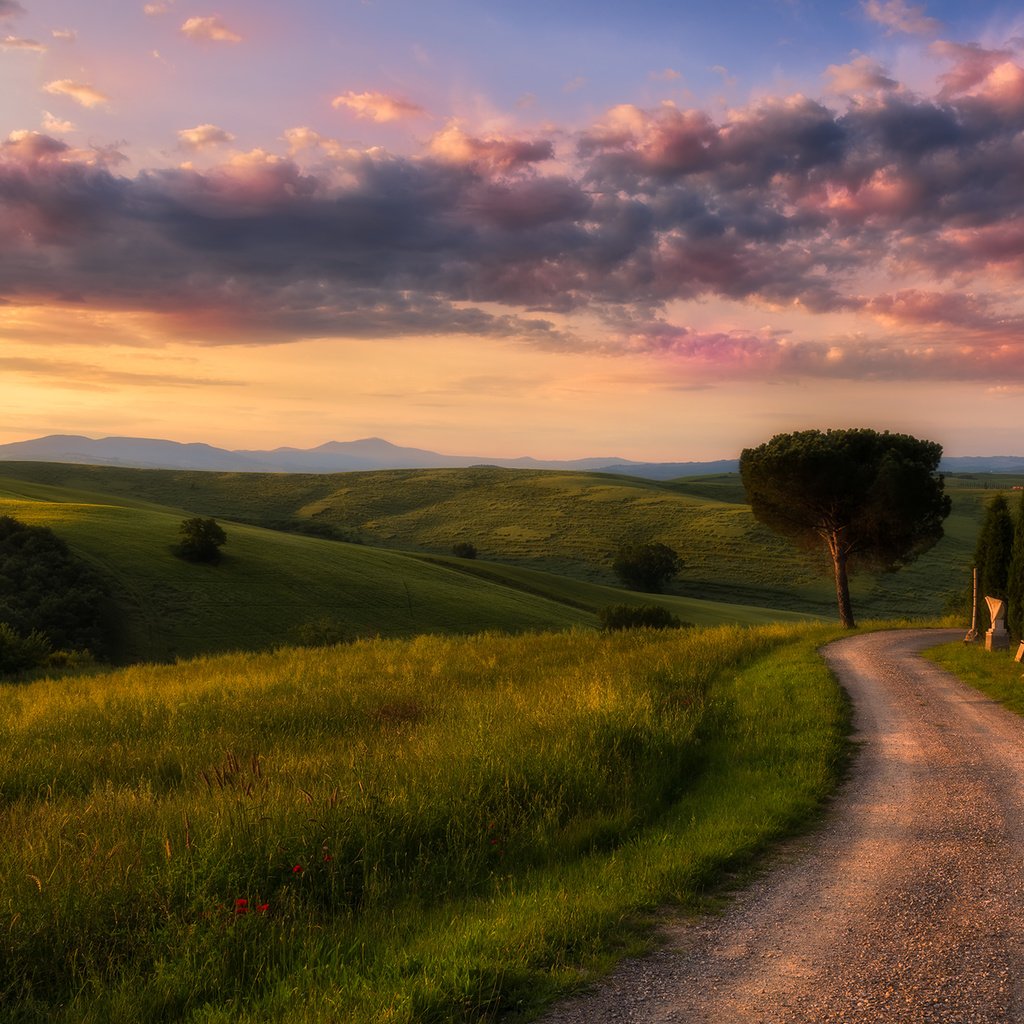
(428, 830)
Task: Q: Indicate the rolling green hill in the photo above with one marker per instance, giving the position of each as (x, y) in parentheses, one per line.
(565, 523)
(271, 584)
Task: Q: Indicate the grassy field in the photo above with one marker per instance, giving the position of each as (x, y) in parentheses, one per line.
(269, 585)
(569, 524)
(432, 830)
(272, 585)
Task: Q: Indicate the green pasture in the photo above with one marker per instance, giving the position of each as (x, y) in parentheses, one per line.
(565, 523)
(437, 830)
(271, 584)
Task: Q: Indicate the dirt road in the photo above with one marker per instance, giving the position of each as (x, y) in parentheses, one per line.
(908, 905)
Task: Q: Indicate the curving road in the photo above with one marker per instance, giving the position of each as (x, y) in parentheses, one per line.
(907, 906)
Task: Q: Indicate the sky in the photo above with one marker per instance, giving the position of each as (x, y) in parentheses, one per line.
(658, 230)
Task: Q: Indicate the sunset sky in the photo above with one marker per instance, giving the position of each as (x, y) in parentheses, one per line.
(658, 230)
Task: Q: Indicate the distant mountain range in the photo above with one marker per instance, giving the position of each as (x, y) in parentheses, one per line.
(367, 454)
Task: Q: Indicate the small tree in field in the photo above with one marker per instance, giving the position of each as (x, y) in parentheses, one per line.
(873, 500)
(200, 540)
(646, 566)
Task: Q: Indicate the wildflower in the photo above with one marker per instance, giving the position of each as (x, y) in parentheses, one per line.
(327, 857)
(241, 905)
(262, 908)
(297, 870)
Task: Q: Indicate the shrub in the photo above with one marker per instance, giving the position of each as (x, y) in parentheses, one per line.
(464, 549)
(646, 566)
(201, 540)
(19, 653)
(323, 632)
(643, 616)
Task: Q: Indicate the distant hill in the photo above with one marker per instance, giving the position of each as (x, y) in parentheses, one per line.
(567, 523)
(369, 453)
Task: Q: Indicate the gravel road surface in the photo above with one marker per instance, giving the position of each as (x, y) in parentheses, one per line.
(906, 906)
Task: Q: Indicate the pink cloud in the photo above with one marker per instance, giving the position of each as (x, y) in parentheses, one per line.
(861, 75)
(972, 64)
(496, 154)
(17, 43)
(203, 136)
(377, 106)
(56, 125)
(211, 29)
(897, 15)
(11, 9)
(83, 94)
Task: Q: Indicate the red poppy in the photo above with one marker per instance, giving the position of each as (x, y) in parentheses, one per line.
(297, 870)
(241, 905)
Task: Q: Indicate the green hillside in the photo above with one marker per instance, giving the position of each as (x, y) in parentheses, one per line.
(271, 586)
(556, 522)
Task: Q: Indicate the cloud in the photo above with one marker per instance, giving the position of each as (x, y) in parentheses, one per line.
(30, 147)
(859, 76)
(203, 136)
(11, 9)
(763, 356)
(77, 376)
(67, 34)
(211, 29)
(55, 125)
(666, 75)
(16, 43)
(497, 154)
(157, 7)
(898, 16)
(84, 95)
(377, 106)
(896, 213)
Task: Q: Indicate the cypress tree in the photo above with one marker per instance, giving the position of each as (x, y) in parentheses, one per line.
(992, 554)
(1015, 580)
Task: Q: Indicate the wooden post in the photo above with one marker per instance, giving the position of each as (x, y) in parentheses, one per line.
(972, 633)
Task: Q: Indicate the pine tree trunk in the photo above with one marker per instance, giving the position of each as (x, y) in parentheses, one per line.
(842, 582)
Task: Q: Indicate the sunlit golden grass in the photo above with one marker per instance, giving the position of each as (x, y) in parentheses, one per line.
(428, 830)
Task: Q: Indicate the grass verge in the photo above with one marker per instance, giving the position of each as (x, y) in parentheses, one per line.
(995, 673)
(407, 831)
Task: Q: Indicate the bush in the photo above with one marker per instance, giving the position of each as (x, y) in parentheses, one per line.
(463, 549)
(643, 616)
(646, 566)
(19, 653)
(201, 540)
(47, 590)
(324, 632)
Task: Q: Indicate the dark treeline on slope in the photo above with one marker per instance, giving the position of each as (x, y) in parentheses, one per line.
(50, 600)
